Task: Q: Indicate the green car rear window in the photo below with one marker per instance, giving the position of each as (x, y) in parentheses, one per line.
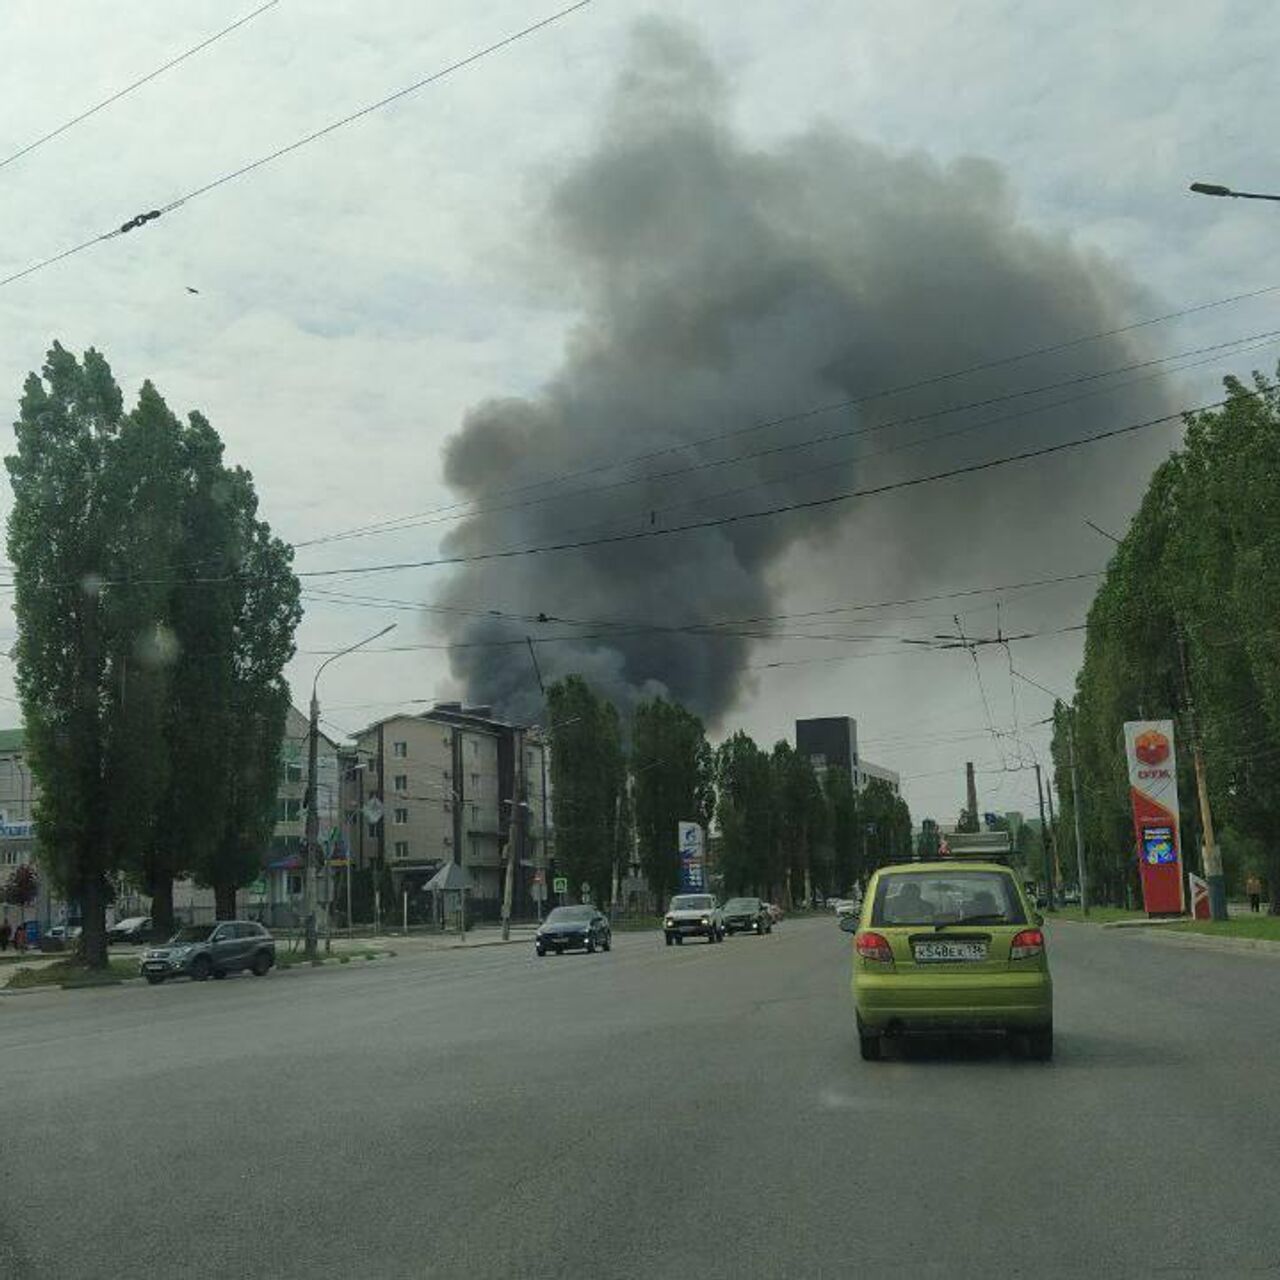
(947, 897)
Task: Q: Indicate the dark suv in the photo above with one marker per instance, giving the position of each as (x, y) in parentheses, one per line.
(201, 951)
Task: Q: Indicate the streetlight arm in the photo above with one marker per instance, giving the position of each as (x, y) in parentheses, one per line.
(342, 653)
(1217, 189)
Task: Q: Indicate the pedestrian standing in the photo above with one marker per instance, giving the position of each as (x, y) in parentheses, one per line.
(4, 935)
(1253, 888)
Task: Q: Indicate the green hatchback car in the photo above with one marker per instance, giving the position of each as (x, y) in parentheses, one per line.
(949, 946)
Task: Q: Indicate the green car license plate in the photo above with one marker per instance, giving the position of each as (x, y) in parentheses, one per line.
(942, 952)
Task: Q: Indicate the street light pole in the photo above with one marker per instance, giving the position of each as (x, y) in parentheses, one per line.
(1217, 189)
(311, 840)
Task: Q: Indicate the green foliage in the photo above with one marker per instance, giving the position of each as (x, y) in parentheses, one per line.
(673, 780)
(802, 821)
(588, 778)
(887, 813)
(1201, 560)
(155, 616)
(745, 785)
(847, 843)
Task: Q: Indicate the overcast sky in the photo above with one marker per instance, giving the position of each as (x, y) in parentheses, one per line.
(356, 298)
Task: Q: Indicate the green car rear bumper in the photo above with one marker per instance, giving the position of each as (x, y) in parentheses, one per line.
(953, 1001)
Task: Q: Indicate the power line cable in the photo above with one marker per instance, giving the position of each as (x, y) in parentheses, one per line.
(136, 84)
(899, 389)
(755, 620)
(767, 512)
(452, 512)
(151, 215)
(919, 442)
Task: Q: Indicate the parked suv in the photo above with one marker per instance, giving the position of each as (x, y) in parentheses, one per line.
(201, 951)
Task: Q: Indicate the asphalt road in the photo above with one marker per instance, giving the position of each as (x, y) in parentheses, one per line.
(652, 1112)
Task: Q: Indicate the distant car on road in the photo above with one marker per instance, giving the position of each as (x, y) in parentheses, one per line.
(775, 912)
(846, 907)
(61, 933)
(949, 946)
(133, 930)
(1071, 897)
(573, 929)
(746, 915)
(201, 951)
(693, 915)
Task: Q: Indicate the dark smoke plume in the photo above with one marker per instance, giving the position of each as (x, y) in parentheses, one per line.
(721, 285)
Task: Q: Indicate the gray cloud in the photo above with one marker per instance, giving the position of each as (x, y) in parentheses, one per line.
(720, 285)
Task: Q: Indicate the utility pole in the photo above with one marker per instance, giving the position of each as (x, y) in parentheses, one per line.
(515, 829)
(1211, 853)
(1075, 811)
(1046, 848)
(311, 839)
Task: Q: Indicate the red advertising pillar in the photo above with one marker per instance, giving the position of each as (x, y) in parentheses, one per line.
(1153, 792)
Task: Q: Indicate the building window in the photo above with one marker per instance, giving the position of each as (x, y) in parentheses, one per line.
(295, 884)
(402, 818)
(402, 848)
(400, 750)
(288, 809)
(375, 829)
(475, 748)
(402, 782)
(475, 782)
(475, 813)
(291, 771)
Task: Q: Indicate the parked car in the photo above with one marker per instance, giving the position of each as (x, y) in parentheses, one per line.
(950, 946)
(572, 929)
(775, 912)
(133, 930)
(201, 951)
(746, 915)
(846, 907)
(693, 915)
(61, 933)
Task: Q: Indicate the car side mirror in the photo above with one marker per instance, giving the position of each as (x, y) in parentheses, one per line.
(848, 924)
(1037, 917)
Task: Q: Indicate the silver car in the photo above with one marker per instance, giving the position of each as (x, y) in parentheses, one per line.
(203, 951)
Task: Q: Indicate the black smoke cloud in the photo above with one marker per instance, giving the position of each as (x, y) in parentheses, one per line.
(720, 285)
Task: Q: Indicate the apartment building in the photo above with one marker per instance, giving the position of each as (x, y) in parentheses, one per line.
(445, 784)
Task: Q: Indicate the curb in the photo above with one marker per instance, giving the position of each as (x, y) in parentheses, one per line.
(278, 970)
(1183, 938)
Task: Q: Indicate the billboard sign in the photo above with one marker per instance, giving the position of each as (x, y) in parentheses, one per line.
(692, 865)
(1153, 793)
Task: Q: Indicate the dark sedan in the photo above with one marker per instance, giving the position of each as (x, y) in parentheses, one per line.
(747, 915)
(573, 929)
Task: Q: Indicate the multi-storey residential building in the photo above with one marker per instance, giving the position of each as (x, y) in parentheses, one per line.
(448, 782)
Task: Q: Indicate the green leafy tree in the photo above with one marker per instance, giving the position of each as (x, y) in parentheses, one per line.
(803, 821)
(746, 806)
(1190, 605)
(673, 781)
(587, 781)
(846, 831)
(59, 543)
(887, 820)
